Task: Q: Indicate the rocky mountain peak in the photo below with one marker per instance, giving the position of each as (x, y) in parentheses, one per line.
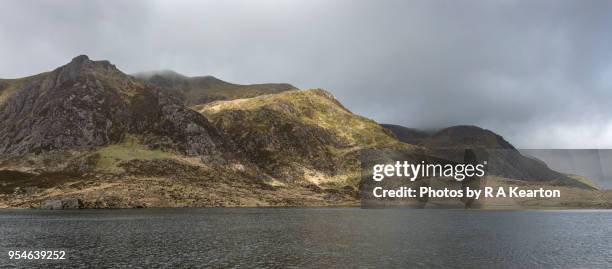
(80, 59)
(87, 103)
(81, 66)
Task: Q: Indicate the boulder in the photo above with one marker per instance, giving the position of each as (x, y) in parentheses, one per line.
(51, 204)
(66, 203)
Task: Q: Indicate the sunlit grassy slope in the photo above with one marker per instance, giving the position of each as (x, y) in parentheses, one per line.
(129, 149)
(585, 180)
(300, 135)
(309, 107)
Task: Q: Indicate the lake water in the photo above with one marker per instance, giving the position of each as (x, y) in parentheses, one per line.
(310, 238)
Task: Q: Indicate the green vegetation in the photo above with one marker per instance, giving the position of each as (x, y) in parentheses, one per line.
(300, 136)
(247, 91)
(314, 107)
(129, 149)
(584, 180)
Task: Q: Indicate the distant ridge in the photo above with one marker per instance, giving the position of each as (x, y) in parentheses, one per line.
(407, 135)
(205, 89)
(503, 158)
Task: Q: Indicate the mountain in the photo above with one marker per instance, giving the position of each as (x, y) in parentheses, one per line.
(86, 135)
(407, 135)
(89, 103)
(200, 90)
(503, 158)
(300, 135)
(466, 136)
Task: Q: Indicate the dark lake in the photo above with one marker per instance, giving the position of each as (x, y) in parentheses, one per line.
(310, 238)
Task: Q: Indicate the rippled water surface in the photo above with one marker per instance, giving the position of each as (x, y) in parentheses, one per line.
(310, 238)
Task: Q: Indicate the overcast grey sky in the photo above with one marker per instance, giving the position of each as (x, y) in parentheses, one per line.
(537, 72)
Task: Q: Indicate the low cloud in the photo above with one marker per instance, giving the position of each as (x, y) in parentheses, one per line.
(539, 73)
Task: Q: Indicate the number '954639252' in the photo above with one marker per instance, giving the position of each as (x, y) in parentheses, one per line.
(37, 254)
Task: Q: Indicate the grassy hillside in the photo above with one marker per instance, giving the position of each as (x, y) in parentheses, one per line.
(110, 156)
(309, 107)
(300, 135)
(585, 180)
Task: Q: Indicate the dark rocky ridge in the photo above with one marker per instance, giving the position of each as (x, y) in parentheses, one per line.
(407, 135)
(91, 103)
(503, 158)
(205, 89)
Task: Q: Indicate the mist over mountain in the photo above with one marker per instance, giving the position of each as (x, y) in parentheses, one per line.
(593, 164)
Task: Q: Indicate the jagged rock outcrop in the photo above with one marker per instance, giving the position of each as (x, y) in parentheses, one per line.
(91, 103)
(200, 90)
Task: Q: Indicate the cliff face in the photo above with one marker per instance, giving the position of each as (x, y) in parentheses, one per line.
(91, 103)
(200, 90)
